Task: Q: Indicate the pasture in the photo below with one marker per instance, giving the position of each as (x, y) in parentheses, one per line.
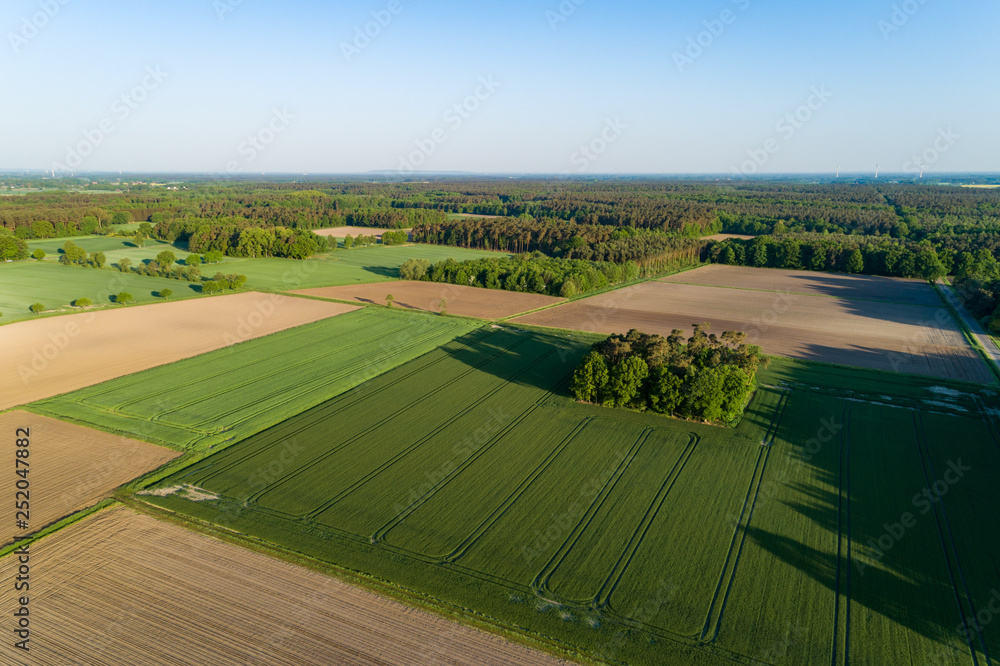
(460, 300)
(68, 467)
(869, 322)
(56, 286)
(227, 395)
(52, 355)
(468, 475)
(124, 588)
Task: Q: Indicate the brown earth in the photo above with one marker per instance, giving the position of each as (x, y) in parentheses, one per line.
(465, 301)
(340, 232)
(69, 468)
(46, 357)
(871, 334)
(120, 587)
(722, 237)
(840, 285)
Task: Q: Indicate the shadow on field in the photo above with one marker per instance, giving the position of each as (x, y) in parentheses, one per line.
(871, 287)
(932, 361)
(383, 271)
(530, 359)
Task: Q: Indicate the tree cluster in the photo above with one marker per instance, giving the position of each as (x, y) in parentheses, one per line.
(706, 378)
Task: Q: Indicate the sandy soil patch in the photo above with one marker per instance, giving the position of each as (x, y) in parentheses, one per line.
(886, 336)
(722, 237)
(46, 357)
(124, 588)
(465, 301)
(862, 287)
(340, 232)
(69, 468)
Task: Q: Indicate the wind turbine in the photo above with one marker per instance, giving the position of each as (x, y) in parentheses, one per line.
(838, 171)
(876, 172)
(921, 169)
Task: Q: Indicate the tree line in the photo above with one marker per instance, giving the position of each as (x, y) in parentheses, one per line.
(706, 378)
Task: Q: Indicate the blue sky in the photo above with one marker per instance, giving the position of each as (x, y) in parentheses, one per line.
(730, 86)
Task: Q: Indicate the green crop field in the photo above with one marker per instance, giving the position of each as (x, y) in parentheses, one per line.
(470, 477)
(55, 286)
(229, 394)
(104, 244)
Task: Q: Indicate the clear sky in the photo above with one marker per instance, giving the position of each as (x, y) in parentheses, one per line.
(585, 86)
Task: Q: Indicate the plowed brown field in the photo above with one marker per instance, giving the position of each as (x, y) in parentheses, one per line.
(465, 301)
(69, 468)
(124, 588)
(836, 327)
(340, 232)
(46, 357)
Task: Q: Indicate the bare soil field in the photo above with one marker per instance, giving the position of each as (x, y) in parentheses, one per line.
(340, 232)
(863, 287)
(46, 357)
(722, 237)
(124, 588)
(871, 334)
(69, 467)
(465, 301)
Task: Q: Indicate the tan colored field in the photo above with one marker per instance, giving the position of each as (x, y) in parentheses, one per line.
(124, 588)
(465, 301)
(340, 232)
(722, 237)
(863, 287)
(46, 357)
(69, 468)
(872, 334)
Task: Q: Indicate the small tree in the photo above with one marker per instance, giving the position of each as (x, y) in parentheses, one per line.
(123, 297)
(37, 307)
(443, 305)
(82, 302)
(138, 240)
(390, 299)
(855, 262)
(98, 259)
(124, 264)
(192, 260)
(348, 242)
(166, 258)
(166, 293)
(39, 254)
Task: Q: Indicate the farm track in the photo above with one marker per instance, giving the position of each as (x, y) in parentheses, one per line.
(947, 539)
(840, 651)
(713, 620)
(602, 599)
(330, 452)
(540, 584)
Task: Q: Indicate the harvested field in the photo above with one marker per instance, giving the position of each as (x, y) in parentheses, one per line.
(121, 587)
(46, 357)
(838, 285)
(722, 237)
(873, 334)
(465, 301)
(340, 232)
(69, 467)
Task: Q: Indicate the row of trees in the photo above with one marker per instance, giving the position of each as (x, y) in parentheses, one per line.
(708, 378)
(240, 238)
(530, 273)
(360, 240)
(836, 252)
